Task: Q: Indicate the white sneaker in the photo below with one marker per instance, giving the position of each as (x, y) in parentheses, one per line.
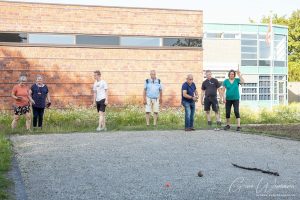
(99, 129)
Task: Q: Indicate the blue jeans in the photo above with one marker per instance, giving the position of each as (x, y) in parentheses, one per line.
(189, 114)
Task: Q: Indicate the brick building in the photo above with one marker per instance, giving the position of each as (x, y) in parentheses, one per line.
(66, 43)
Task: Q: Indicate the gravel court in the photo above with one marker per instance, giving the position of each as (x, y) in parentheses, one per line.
(140, 165)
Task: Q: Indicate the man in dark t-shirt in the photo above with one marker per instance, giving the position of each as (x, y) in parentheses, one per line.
(209, 98)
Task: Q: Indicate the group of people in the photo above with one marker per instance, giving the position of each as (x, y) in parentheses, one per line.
(38, 98)
(229, 94)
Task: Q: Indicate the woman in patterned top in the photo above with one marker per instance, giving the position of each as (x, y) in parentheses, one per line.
(22, 102)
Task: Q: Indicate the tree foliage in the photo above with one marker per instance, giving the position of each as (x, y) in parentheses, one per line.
(293, 23)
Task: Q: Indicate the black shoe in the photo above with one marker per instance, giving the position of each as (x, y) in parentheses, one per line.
(238, 128)
(227, 127)
(209, 123)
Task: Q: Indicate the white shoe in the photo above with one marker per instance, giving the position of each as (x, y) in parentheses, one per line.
(216, 129)
(99, 129)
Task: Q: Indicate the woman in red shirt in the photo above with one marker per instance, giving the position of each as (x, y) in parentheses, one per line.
(22, 102)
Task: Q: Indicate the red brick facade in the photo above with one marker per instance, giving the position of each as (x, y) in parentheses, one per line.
(69, 70)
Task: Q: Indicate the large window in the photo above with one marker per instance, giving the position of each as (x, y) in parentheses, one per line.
(182, 42)
(13, 37)
(249, 91)
(264, 88)
(51, 39)
(249, 49)
(97, 40)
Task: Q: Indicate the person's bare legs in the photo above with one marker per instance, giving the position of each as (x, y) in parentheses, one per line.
(15, 121)
(238, 122)
(228, 121)
(218, 118)
(208, 116)
(28, 120)
(101, 120)
(147, 118)
(155, 116)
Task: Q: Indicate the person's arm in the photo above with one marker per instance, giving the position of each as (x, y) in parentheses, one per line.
(13, 95)
(196, 95)
(30, 97)
(220, 90)
(202, 96)
(106, 97)
(223, 94)
(185, 95)
(160, 97)
(240, 75)
(48, 98)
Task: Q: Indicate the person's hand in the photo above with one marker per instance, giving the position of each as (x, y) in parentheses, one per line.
(19, 98)
(32, 101)
(106, 102)
(195, 99)
(238, 72)
(144, 102)
(48, 104)
(94, 104)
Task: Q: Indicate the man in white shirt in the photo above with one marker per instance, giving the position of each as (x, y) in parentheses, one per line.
(100, 99)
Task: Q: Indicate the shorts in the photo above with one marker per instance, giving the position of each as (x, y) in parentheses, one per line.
(211, 102)
(100, 105)
(152, 105)
(21, 110)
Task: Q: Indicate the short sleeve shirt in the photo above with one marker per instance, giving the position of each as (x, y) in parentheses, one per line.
(39, 94)
(190, 91)
(210, 86)
(23, 92)
(232, 89)
(100, 88)
(153, 88)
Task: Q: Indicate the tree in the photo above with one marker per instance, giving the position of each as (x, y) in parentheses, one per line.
(293, 40)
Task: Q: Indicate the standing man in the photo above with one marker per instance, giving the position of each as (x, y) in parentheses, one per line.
(209, 89)
(189, 97)
(100, 99)
(152, 97)
(232, 97)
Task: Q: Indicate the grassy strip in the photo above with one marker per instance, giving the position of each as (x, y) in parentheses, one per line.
(291, 131)
(5, 160)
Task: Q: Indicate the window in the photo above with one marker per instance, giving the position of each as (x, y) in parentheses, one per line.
(249, 36)
(51, 39)
(249, 63)
(213, 35)
(249, 56)
(13, 37)
(264, 88)
(249, 42)
(229, 35)
(264, 63)
(264, 50)
(97, 40)
(140, 41)
(183, 42)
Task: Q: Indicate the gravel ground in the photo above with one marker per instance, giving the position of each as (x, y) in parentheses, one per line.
(157, 165)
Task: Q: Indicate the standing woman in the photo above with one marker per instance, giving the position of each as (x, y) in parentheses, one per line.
(40, 94)
(232, 97)
(22, 102)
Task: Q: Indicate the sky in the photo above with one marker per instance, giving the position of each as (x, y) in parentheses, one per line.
(222, 11)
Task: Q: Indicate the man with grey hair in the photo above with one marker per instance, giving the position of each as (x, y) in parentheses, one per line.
(209, 98)
(189, 97)
(152, 97)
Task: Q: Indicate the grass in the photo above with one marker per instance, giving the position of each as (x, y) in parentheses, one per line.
(76, 119)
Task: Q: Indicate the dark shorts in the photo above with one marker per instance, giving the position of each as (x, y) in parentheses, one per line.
(21, 110)
(211, 102)
(100, 105)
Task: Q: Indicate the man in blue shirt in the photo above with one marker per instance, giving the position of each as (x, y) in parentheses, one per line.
(152, 97)
(189, 97)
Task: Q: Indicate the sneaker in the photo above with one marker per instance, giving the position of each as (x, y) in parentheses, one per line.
(227, 127)
(192, 129)
(99, 128)
(219, 123)
(238, 128)
(187, 129)
(216, 129)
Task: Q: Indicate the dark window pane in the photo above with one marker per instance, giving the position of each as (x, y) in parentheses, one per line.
(249, 42)
(229, 35)
(249, 36)
(97, 40)
(140, 41)
(264, 63)
(13, 37)
(279, 63)
(249, 62)
(249, 49)
(213, 35)
(51, 39)
(249, 56)
(182, 42)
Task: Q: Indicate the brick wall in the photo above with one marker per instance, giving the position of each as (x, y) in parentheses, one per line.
(68, 71)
